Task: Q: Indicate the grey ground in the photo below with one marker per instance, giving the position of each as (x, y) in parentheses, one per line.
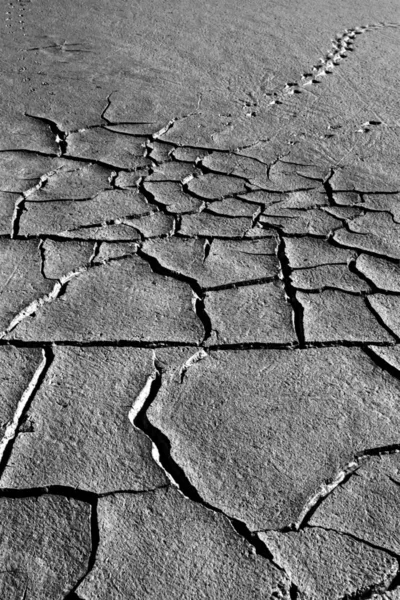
(200, 299)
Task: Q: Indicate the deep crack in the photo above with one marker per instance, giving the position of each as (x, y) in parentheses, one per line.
(297, 308)
(11, 430)
(163, 456)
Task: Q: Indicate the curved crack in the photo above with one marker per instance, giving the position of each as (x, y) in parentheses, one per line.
(161, 452)
(297, 308)
(326, 488)
(11, 431)
(33, 307)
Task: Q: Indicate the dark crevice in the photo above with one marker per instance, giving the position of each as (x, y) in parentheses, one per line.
(395, 583)
(162, 443)
(213, 171)
(112, 179)
(70, 492)
(72, 158)
(95, 254)
(326, 490)
(352, 266)
(42, 257)
(378, 451)
(149, 147)
(393, 480)
(232, 238)
(132, 218)
(18, 210)
(293, 592)
(104, 164)
(236, 195)
(60, 136)
(77, 494)
(236, 284)
(324, 288)
(50, 490)
(239, 152)
(129, 343)
(177, 474)
(73, 238)
(207, 149)
(95, 536)
(118, 123)
(103, 224)
(380, 320)
(198, 291)
(64, 239)
(328, 189)
(75, 200)
(27, 151)
(203, 316)
(107, 106)
(66, 492)
(334, 242)
(7, 236)
(374, 588)
(355, 538)
(156, 267)
(98, 343)
(365, 210)
(361, 192)
(206, 248)
(250, 537)
(327, 264)
(32, 388)
(382, 363)
(64, 283)
(360, 459)
(255, 219)
(82, 159)
(149, 196)
(252, 346)
(348, 344)
(297, 308)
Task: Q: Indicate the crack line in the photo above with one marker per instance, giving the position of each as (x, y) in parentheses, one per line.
(161, 452)
(11, 430)
(326, 488)
(58, 289)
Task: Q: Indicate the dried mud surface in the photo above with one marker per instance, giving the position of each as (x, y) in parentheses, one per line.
(200, 296)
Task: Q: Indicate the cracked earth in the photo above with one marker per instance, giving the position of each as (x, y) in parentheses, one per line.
(200, 298)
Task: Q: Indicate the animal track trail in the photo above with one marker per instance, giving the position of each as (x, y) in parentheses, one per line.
(342, 44)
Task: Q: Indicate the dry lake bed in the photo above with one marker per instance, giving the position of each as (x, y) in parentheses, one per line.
(200, 300)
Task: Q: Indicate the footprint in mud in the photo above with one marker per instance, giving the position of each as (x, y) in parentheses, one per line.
(60, 49)
(365, 127)
(341, 45)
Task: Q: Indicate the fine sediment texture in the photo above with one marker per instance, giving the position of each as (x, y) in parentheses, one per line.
(199, 301)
